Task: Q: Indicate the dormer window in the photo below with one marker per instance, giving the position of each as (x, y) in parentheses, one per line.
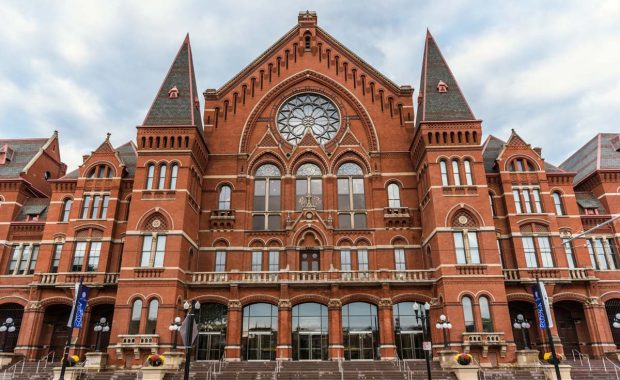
(6, 154)
(442, 86)
(521, 165)
(100, 171)
(173, 93)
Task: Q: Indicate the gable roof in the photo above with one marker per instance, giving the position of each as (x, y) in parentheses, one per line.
(24, 152)
(183, 110)
(321, 33)
(434, 105)
(127, 153)
(602, 152)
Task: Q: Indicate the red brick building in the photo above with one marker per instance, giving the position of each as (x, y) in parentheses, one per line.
(310, 212)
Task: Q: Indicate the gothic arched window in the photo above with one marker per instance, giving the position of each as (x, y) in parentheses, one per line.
(224, 198)
(309, 186)
(266, 215)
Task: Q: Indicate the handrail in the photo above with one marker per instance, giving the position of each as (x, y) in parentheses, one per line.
(46, 358)
(14, 367)
(581, 356)
(616, 367)
(480, 370)
(340, 369)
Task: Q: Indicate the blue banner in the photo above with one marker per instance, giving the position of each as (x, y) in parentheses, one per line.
(81, 300)
(540, 307)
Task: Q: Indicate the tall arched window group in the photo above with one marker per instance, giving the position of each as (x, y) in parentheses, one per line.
(484, 307)
(161, 177)
(455, 178)
(135, 320)
(351, 199)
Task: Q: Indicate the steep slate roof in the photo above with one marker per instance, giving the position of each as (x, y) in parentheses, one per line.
(588, 200)
(127, 152)
(24, 151)
(490, 151)
(33, 206)
(600, 153)
(435, 105)
(185, 109)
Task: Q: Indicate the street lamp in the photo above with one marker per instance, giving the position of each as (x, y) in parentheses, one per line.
(523, 324)
(189, 312)
(101, 326)
(422, 317)
(174, 328)
(444, 324)
(7, 327)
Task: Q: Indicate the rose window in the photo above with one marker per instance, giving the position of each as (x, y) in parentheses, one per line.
(308, 111)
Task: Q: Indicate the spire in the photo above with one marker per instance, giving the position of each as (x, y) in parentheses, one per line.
(177, 103)
(440, 97)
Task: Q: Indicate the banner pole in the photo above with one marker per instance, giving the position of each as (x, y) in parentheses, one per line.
(65, 354)
(554, 356)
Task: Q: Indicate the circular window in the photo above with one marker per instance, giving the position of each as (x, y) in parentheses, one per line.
(308, 111)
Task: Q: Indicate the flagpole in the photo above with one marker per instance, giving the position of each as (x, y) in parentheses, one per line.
(65, 354)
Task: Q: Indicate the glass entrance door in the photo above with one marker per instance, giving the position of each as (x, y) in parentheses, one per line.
(260, 346)
(409, 344)
(310, 346)
(210, 346)
(361, 345)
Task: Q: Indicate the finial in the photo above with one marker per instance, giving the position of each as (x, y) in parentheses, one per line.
(108, 136)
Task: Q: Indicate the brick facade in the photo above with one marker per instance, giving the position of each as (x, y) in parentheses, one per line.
(427, 214)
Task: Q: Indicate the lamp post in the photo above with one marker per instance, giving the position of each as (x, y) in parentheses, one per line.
(522, 324)
(101, 326)
(189, 311)
(174, 328)
(422, 317)
(617, 321)
(444, 324)
(7, 327)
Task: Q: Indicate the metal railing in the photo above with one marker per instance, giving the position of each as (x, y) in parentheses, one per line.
(13, 369)
(340, 369)
(46, 359)
(276, 370)
(615, 366)
(581, 358)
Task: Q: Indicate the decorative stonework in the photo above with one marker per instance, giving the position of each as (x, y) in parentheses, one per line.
(234, 304)
(334, 303)
(285, 304)
(385, 302)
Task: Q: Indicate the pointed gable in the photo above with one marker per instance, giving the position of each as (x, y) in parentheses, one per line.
(177, 102)
(440, 98)
(516, 141)
(105, 146)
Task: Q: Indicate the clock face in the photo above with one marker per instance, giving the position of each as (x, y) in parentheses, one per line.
(308, 111)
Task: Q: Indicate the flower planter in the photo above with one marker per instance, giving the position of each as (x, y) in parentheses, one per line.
(96, 361)
(174, 359)
(71, 373)
(528, 358)
(550, 372)
(468, 372)
(154, 373)
(6, 358)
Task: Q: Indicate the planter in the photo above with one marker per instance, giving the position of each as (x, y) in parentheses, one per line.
(528, 358)
(96, 361)
(550, 372)
(468, 372)
(154, 373)
(71, 373)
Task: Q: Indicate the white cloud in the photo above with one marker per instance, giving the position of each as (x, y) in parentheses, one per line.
(547, 69)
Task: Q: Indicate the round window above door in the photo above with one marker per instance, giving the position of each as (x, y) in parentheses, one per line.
(308, 111)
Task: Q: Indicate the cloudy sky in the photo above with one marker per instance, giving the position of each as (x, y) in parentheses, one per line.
(550, 70)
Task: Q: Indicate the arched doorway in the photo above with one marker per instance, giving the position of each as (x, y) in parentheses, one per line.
(260, 331)
(55, 330)
(360, 331)
(310, 331)
(212, 321)
(97, 312)
(408, 330)
(525, 309)
(613, 308)
(16, 313)
(571, 325)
